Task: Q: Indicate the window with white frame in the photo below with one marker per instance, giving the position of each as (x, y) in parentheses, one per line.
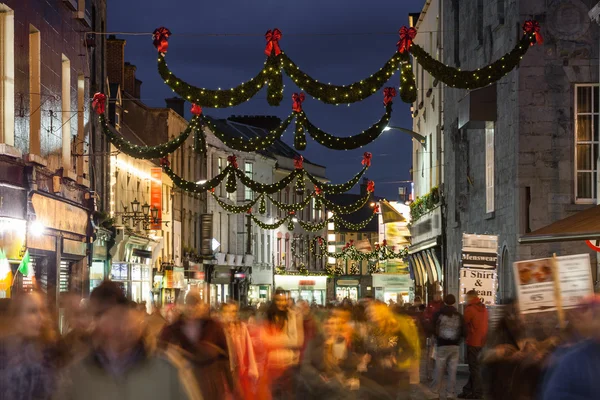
(489, 166)
(248, 193)
(7, 75)
(586, 142)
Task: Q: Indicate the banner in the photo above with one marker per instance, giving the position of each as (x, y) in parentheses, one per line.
(480, 251)
(156, 195)
(543, 284)
(482, 281)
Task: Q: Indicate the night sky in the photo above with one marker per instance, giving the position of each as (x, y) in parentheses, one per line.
(225, 61)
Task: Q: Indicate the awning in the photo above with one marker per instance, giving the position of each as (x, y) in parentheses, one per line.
(583, 225)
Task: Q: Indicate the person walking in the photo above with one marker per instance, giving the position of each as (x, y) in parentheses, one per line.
(476, 323)
(449, 330)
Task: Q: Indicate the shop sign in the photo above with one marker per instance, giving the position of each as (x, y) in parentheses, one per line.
(142, 253)
(12, 237)
(44, 242)
(13, 202)
(348, 282)
(74, 247)
(178, 278)
(292, 282)
(156, 194)
(480, 251)
(392, 280)
(484, 282)
(306, 282)
(58, 215)
(196, 271)
(555, 283)
(206, 235)
(262, 274)
(168, 279)
(221, 275)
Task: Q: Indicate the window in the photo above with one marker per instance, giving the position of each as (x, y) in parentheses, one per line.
(248, 193)
(456, 11)
(219, 170)
(80, 138)
(35, 87)
(480, 22)
(500, 9)
(268, 256)
(313, 207)
(586, 139)
(489, 166)
(7, 75)
(66, 115)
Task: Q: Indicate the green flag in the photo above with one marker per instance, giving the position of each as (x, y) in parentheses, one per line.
(24, 265)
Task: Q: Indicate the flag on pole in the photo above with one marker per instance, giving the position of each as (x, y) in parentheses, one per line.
(25, 265)
(4, 265)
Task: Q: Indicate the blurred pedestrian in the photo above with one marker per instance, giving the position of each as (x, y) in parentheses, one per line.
(203, 343)
(121, 366)
(476, 323)
(28, 356)
(427, 320)
(449, 331)
(309, 326)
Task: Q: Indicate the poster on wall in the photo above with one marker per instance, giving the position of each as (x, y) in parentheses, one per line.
(482, 281)
(543, 283)
(480, 251)
(156, 194)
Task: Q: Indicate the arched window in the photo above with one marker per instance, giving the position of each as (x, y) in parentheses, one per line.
(505, 276)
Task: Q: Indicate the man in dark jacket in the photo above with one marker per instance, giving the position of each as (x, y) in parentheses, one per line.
(449, 330)
(476, 322)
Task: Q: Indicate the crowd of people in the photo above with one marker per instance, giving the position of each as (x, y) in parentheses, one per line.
(111, 348)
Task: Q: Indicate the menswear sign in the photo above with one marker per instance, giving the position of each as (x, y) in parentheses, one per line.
(480, 251)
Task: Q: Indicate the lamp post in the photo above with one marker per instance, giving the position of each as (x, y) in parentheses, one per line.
(418, 137)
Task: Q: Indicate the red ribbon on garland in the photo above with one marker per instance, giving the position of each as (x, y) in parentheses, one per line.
(376, 209)
(370, 186)
(212, 190)
(298, 99)
(406, 38)
(99, 103)
(273, 37)
(164, 162)
(298, 160)
(388, 94)
(196, 109)
(233, 161)
(318, 191)
(384, 243)
(366, 161)
(160, 38)
(530, 27)
(249, 211)
(320, 239)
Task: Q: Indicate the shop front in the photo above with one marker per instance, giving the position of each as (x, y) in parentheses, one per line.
(260, 290)
(13, 227)
(393, 288)
(311, 288)
(220, 284)
(347, 287)
(425, 254)
(100, 259)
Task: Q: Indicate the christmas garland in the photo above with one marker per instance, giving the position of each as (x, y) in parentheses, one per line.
(338, 188)
(146, 152)
(351, 225)
(194, 187)
(244, 208)
(345, 94)
(350, 252)
(274, 225)
(291, 207)
(347, 209)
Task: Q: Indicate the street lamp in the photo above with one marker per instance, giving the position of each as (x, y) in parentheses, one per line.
(418, 137)
(146, 209)
(135, 205)
(154, 212)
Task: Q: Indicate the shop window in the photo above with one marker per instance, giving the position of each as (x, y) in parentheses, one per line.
(7, 75)
(586, 140)
(248, 171)
(35, 88)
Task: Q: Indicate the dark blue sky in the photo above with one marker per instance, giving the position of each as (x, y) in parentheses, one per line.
(226, 61)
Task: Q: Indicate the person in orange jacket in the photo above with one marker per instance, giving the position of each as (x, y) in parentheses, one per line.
(476, 321)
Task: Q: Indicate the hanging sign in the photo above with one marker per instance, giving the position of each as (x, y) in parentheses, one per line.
(480, 251)
(593, 244)
(482, 281)
(156, 195)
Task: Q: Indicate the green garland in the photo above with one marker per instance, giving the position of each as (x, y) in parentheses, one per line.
(313, 227)
(146, 152)
(350, 252)
(274, 225)
(199, 141)
(291, 207)
(254, 144)
(338, 188)
(344, 143)
(424, 204)
(194, 187)
(346, 209)
(473, 79)
(345, 94)
(408, 86)
(351, 225)
(258, 187)
(236, 209)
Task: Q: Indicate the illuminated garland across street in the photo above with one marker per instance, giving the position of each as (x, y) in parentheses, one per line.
(350, 252)
(312, 227)
(277, 60)
(194, 187)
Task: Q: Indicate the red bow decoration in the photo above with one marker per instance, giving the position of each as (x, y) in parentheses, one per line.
(388, 94)
(384, 243)
(196, 109)
(406, 38)
(292, 212)
(530, 27)
(233, 161)
(352, 243)
(366, 161)
(99, 103)
(370, 186)
(376, 246)
(273, 37)
(212, 190)
(346, 246)
(376, 209)
(393, 248)
(298, 160)
(160, 38)
(249, 211)
(320, 239)
(297, 99)
(318, 191)
(164, 162)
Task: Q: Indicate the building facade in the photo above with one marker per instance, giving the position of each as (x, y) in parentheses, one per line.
(528, 158)
(50, 67)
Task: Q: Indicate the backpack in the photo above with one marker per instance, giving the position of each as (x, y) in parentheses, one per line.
(449, 327)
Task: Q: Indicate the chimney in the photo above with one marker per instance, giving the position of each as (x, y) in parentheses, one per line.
(363, 186)
(138, 89)
(129, 83)
(176, 104)
(115, 60)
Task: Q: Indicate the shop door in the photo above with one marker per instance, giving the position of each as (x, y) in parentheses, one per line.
(343, 292)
